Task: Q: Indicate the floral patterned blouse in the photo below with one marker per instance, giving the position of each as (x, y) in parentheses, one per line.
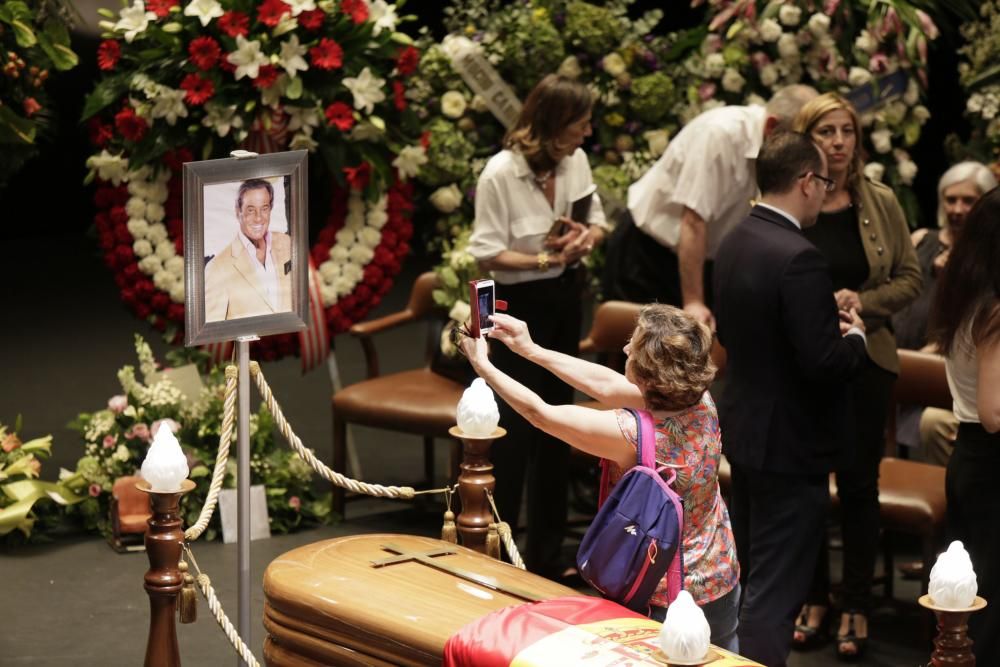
(692, 439)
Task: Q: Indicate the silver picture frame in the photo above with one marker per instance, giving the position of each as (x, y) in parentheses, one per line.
(205, 183)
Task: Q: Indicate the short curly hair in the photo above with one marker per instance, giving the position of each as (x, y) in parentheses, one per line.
(670, 357)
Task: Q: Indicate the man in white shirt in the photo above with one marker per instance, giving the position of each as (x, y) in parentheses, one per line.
(682, 208)
(252, 275)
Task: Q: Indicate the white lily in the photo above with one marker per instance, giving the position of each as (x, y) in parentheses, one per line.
(303, 141)
(299, 6)
(409, 161)
(134, 19)
(109, 167)
(382, 14)
(204, 10)
(291, 56)
(169, 103)
(366, 88)
(247, 57)
(221, 118)
(303, 117)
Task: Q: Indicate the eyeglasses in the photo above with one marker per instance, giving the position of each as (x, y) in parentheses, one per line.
(828, 183)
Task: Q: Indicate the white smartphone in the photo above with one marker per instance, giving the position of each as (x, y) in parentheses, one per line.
(484, 304)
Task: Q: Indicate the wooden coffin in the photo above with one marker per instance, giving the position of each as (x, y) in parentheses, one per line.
(326, 604)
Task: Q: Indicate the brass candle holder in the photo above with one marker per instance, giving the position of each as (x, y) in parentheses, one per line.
(952, 646)
(474, 481)
(164, 579)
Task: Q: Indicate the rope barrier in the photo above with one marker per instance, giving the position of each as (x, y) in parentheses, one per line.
(506, 536)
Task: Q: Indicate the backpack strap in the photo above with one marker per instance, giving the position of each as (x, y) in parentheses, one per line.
(645, 452)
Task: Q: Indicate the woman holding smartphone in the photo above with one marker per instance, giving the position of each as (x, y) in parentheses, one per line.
(524, 237)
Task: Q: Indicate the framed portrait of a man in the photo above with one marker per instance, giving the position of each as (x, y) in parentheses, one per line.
(245, 247)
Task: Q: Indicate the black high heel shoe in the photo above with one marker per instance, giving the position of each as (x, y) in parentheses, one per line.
(807, 637)
(850, 647)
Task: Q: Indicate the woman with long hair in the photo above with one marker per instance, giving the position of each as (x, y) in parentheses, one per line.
(965, 323)
(523, 235)
(863, 235)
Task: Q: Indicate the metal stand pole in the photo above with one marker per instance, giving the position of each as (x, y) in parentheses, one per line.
(243, 485)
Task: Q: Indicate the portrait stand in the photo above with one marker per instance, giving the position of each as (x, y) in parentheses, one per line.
(243, 483)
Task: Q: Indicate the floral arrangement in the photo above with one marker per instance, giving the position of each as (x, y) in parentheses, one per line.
(195, 79)
(117, 437)
(632, 72)
(34, 41)
(978, 75)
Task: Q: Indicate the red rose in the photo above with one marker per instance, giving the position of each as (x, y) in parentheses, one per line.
(123, 235)
(389, 240)
(356, 9)
(99, 133)
(267, 75)
(104, 197)
(108, 54)
(358, 177)
(174, 159)
(131, 272)
(399, 95)
(117, 215)
(175, 312)
(327, 54)
(142, 310)
(340, 115)
(106, 240)
(204, 52)
(407, 60)
(159, 302)
(373, 275)
(312, 19)
(270, 12)
(199, 90)
(234, 23)
(129, 125)
(160, 7)
(128, 296)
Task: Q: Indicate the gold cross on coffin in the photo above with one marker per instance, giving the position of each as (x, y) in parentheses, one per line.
(427, 558)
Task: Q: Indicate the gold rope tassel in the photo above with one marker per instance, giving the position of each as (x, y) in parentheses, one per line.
(188, 605)
(493, 542)
(449, 531)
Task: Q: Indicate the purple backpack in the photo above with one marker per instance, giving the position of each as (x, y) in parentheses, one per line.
(635, 539)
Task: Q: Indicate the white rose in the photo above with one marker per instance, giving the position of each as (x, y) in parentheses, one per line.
(447, 199)
(715, 65)
(157, 233)
(770, 30)
(136, 207)
(819, 24)
(460, 312)
(164, 280)
(137, 227)
(874, 171)
(882, 140)
(866, 43)
(379, 215)
(177, 292)
(360, 255)
(907, 171)
(858, 76)
(175, 265)
(329, 271)
(921, 114)
(155, 212)
(343, 285)
(369, 238)
(478, 104)
(975, 103)
(328, 294)
(570, 68)
(453, 104)
(895, 112)
(355, 219)
(165, 249)
(769, 75)
(352, 272)
(346, 237)
(151, 265)
(142, 248)
(732, 81)
(613, 64)
(788, 47)
(338, 253)
(789, 15)
(455, 46)
(657, 141)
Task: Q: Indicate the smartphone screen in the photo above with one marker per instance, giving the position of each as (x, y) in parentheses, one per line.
(486, 296)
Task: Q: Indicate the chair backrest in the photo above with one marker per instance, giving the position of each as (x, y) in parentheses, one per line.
(614, 322)
(421, 301)
(922, 381)
(130, 499)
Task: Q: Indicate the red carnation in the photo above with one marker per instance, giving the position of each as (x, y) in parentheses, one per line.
(175, 159)
(100, 133)
(407, 60)
(399, 95)
(131, 272)
(129, 125)
(199, 90)
(270, 12)
(160, 7)
(159, 302)
(118, 215)
(124, 254)
(312, 19)
(356, 9)
(204, 52)
(108, 54)
(327, 54)
(234, 23)
(266, 76)
(358, 177)
(175, 312)
(340, 115)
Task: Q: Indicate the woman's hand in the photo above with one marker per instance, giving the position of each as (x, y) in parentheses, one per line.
(847, 299)
(512, 332)
(570, 232)
(475, 350)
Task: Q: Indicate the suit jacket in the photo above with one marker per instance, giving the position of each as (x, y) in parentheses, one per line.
(232, 288)
(785, 404)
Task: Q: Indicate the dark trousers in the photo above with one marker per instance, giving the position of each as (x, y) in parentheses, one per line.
(527, 457)
(778, 522)
(638, 268)
(974, 518)
(857, 489)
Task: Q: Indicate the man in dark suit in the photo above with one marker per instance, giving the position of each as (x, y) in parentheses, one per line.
(784, 408)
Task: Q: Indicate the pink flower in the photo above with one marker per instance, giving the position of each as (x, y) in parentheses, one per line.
(140, 431)
(295, 503)
(879, 63)
(170, 423)
(706, 91)
(117, 404)
(94, 490)
(109, 441)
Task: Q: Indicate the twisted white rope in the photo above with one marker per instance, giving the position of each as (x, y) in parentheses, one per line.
(508, 543)
(324, 471)
(219, 474)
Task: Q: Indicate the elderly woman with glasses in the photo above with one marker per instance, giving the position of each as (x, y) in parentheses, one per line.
(863, 234)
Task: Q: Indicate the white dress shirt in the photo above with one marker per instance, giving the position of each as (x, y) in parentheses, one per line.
(512, 212)
(266, 273)
(709, 168)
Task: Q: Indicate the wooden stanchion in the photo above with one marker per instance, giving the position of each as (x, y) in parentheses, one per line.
(952, 646)
(476, 478)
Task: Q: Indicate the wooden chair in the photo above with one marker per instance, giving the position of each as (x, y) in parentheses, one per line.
(418, 401)
(130, 514)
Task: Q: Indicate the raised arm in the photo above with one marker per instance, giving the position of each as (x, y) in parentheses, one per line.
(599, 382)
(593, 431)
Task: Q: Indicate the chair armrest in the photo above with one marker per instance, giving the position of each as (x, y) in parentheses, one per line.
(364, 331)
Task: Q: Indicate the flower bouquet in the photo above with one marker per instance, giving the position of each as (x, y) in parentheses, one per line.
(35, 41)
(195, 79)
(980, 76)
(117, 437)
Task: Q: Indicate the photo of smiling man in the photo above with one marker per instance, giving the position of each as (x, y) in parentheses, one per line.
(250, 273)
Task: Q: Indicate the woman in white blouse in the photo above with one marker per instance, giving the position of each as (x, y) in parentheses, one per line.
(524, 235)
(966, 325)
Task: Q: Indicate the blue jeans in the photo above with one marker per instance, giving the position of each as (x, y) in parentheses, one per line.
(723, 618)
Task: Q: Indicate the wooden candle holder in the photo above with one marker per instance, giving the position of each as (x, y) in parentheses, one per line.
(952, 646)
(475, 479)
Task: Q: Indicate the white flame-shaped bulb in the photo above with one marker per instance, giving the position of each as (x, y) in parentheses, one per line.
(478, 414)
(685, 634)
(165, 466)
(953, 581)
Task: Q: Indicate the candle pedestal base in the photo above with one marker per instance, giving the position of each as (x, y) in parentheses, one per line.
(164, 579)
(476, 478)
(952, 646)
